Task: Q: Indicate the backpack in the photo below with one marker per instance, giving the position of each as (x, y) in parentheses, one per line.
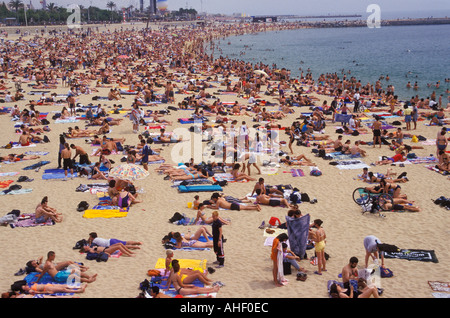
(82, 206)
(17, 285)
(176, 217)
(102, 257)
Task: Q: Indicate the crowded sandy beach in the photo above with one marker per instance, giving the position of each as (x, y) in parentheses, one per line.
(233, 168)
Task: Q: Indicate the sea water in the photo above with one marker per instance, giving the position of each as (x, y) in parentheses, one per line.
(417, 53)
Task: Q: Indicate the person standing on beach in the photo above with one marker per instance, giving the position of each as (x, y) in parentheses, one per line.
(66, 156)
(135, 116)
(319, 237)
(218, 239)
(414, 115)
(376, 129)
(356, 101)
(277, 258)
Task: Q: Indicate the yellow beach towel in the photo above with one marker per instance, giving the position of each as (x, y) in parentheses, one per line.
(92, 213)
(184, 263)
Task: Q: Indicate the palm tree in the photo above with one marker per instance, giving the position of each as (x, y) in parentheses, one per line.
(16, 4)
(52, 7)
(111, 5)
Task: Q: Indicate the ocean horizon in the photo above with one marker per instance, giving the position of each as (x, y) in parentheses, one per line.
(417, 53)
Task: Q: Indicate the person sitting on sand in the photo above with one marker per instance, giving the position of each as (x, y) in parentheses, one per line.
(238, 176)
(37, 265)
(265, 189)
(43, 212)
(126, 199)
(201, 216)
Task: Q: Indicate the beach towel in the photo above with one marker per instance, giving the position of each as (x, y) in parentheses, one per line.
(199, 188)
(433, 168)
(350, 164)
(19, 191)
(29, 220)
(17, 145)
(106, 211)
(57, 175)
(47, 279)
(297, 173)
(37, 153)
(37, 165)
(8, 174)
(5, 184)
(439, 286)
(413, 255)
(298, 229)
(184, 263)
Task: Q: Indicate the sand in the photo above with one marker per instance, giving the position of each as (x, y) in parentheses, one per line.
(248, 267)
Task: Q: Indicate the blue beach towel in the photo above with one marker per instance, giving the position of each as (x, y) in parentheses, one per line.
(298, 229)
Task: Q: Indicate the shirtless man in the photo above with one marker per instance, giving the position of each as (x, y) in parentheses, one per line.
(265, 190)
(84, 159)
(355, 150)
(350, 272)
(107, 147)
(24, 139)
(66, 156)
(63, 276)
(376, 128)
(219, 202)
(270, 200)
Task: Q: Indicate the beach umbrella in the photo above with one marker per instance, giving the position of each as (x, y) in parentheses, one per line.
(128, 172)
(259, 72)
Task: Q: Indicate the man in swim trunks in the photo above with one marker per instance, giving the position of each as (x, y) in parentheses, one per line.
(66, 156)
(270, 199)
(63, 276)
(376, 128)
(219, 202)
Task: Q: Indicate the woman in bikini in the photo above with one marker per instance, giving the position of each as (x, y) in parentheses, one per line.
(183, 242)
(186, 289)
(108, 250)
(389, 186)
(53, 288)
(318, 235)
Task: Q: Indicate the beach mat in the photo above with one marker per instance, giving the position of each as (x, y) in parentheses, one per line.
(413, 255)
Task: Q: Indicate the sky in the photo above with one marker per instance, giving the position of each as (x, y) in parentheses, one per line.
(391, 8)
